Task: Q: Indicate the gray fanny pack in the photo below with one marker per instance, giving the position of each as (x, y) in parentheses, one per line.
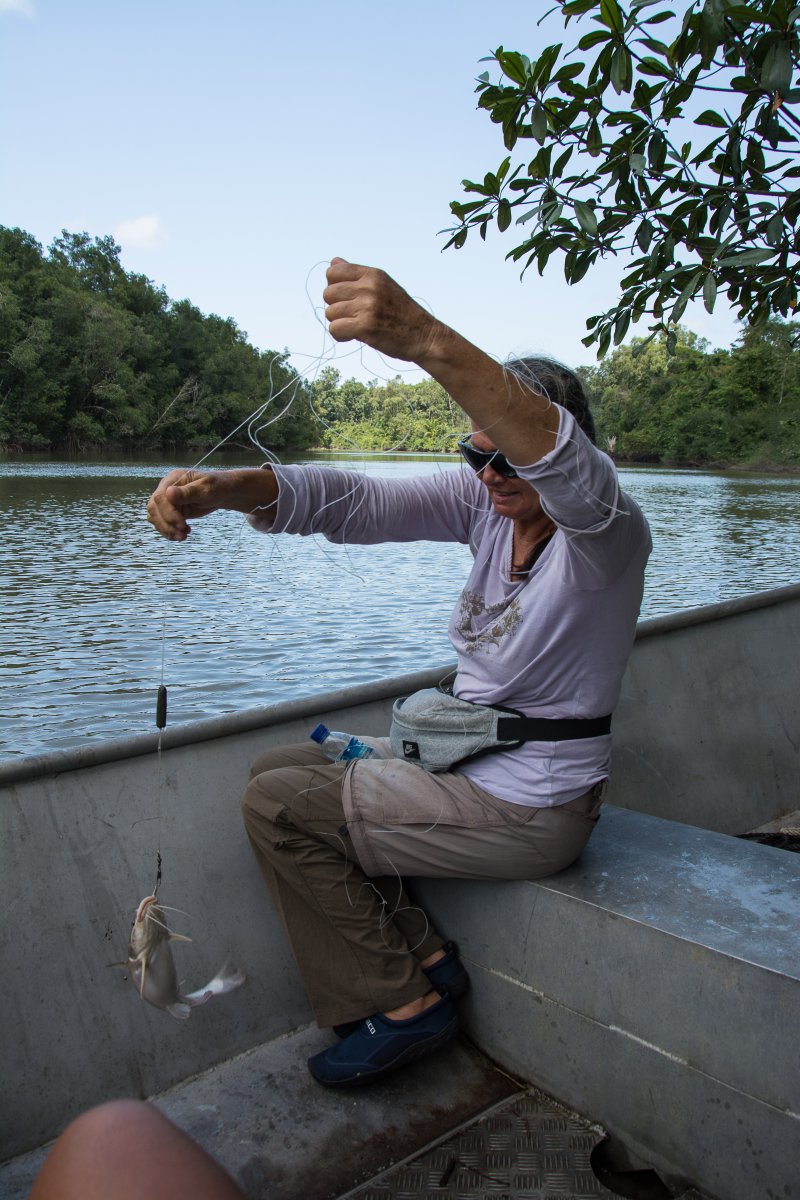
(438, 731)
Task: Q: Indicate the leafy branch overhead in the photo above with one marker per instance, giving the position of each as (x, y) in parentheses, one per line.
(679, 154)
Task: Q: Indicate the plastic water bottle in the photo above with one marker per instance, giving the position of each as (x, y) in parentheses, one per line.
(341, 747)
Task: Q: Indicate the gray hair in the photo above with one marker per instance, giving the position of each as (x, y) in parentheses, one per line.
(559, 384)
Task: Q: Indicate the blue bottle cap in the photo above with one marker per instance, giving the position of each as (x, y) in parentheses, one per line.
(320, 733)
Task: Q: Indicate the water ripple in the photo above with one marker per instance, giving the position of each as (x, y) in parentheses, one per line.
(91, 598)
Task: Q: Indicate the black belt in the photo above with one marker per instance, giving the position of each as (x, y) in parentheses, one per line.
(557, 729)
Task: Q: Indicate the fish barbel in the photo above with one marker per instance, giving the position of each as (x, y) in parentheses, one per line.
(152, 966)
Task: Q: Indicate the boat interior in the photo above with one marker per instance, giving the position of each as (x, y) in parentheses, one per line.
(631, 1022)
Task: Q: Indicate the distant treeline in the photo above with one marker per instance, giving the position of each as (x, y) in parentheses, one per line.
(93, 357)
(700, 407)
(696, 407)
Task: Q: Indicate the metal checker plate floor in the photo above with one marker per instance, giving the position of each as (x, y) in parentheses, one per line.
(525, 1148)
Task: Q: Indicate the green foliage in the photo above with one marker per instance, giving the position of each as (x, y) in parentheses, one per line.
(694, 406)
(680, 155)
(92, 355)
(699, 407)
(402, 416)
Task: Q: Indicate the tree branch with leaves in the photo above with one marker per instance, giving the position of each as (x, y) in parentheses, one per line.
(679, 156)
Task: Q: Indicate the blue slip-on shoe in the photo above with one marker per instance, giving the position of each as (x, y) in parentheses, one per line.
(446, 975)
(381, 1045)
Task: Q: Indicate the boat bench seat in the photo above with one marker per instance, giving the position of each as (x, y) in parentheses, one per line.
(655, 982)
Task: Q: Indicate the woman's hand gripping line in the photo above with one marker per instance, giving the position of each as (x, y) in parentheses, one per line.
(364, 303)
(183, 496)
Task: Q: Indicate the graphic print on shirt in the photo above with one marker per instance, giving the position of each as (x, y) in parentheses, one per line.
(476, 622)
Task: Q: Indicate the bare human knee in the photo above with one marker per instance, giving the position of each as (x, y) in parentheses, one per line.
(127, 1149)
(94, 1146)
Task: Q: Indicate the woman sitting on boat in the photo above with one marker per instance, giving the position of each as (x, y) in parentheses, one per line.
(544, 627)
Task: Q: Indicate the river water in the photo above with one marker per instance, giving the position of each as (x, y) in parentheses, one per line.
(96, 609)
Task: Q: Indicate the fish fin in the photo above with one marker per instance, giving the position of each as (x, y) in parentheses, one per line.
(178, 937)
(225, 980)
(180, 1010)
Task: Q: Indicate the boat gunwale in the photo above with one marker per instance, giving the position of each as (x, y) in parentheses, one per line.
(95, 754)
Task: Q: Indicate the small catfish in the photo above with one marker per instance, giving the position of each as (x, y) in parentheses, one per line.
(152, 966)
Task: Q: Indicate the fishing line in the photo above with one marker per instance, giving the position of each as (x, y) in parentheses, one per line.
(349, 861)
(527, 376)
(263, 416)
(329, 353)
(387, 917)
(261, 419)
(322, 547)
(161, 721)
(189, 385)
(318, 311)
(353, 502)
(253, 431)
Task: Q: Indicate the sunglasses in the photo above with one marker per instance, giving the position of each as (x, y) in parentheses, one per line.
(480, 459)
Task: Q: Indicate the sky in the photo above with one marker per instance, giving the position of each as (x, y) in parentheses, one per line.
(233, 148)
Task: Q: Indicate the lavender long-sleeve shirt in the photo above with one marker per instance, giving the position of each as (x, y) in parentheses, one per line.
(553, 644)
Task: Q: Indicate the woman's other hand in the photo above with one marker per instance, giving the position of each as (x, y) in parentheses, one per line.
(184, 495)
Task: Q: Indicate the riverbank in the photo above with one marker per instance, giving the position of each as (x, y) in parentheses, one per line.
(112, 452)
(756, 467)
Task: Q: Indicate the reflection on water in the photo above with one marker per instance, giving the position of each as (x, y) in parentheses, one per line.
(716, 536)
(93, 600)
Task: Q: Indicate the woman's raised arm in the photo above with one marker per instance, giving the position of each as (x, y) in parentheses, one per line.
(366, 304)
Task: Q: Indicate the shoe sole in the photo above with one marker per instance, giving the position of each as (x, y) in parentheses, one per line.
(409, 1055)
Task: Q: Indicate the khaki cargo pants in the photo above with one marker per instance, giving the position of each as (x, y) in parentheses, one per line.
(333, 841)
